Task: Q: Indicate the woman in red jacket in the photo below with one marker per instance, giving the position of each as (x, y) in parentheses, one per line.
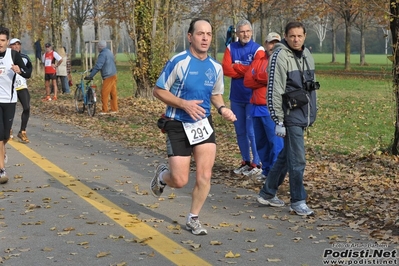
(268, 145)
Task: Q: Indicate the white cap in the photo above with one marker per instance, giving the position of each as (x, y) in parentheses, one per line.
(102, 44)
(15, 40)
(273, 36)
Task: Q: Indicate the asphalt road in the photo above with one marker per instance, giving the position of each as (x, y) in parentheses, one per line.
(78, 199)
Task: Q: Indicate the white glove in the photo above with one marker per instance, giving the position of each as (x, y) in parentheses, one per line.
(280, 130)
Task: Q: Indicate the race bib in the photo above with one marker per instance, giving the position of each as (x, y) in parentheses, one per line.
(47, 62)
(2, 70)
(198, 131)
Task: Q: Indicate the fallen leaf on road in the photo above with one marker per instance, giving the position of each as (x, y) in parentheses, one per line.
(102, 254)
(273, 260)
(230, 255)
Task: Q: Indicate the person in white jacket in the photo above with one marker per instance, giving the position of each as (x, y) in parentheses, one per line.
(11, 63)
(62, 71)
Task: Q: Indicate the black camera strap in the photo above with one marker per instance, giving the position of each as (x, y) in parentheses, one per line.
(303, 68)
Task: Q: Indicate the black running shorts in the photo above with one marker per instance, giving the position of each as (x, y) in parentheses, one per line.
(50, 76)
(177, 143)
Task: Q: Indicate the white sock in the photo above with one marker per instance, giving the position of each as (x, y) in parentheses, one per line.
(190, 215)
(161, 178)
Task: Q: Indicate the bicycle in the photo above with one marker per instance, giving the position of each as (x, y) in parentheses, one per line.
(85, 93)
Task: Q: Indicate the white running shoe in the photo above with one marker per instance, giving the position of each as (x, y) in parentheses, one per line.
(253, 172)
(243, 167)
(155, 186)
(195, 226)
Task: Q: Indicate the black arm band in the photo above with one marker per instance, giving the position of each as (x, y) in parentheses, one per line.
(220, 109)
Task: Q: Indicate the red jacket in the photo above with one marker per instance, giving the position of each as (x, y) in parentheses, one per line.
(256, 79)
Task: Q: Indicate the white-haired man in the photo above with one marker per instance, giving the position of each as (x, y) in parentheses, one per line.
(106, 65)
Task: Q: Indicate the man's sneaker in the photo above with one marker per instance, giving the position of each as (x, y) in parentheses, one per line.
(3, 176)
(243, 167)
(275, 202)
(254, 170)
(301, 209)
(54, 98)
(156, 187)
(47, 98)
(195, 226)
(22, 136)
(261, 178)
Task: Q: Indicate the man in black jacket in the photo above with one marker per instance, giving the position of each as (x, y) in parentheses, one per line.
(292, 105)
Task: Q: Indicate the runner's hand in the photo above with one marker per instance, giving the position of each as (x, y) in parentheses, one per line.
(194, 109)
(228, 114)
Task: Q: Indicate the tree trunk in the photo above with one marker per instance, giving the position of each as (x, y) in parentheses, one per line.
(347, 44)
(74, 40)
(95, 20)
(142, 67)
(82, 46)
(56, 23)
(362, 48)
(394, 26)
(334, 45)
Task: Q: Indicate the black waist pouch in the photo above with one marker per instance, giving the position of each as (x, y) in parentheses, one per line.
(295, 99)
(162, 122)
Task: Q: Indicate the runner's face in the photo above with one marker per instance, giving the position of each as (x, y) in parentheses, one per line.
(3, 43)
(244, 34)
(201, 38)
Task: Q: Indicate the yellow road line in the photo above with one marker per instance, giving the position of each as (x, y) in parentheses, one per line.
(159, 242)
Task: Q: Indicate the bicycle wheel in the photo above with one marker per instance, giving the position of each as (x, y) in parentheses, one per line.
(91, 102)
(79, 103)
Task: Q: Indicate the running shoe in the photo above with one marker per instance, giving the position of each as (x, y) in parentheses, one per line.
(254, 170)
(47, 98)
(22, 136)
(301, 209)
(275, 201)
(156, 187)
(261, 178)
(195, 226)
(244, 166)
(3, 176)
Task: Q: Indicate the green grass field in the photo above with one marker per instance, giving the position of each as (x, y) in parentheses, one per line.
(372, 59)
(356, 112)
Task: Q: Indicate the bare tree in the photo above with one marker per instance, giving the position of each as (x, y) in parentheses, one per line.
(319, 26)
(348, 10)
(80, 12)
(368, 17)
(334, 25)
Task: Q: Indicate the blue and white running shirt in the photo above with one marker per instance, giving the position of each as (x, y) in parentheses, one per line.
(190, 78)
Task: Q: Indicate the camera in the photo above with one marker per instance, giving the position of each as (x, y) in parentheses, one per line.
(311, 85)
